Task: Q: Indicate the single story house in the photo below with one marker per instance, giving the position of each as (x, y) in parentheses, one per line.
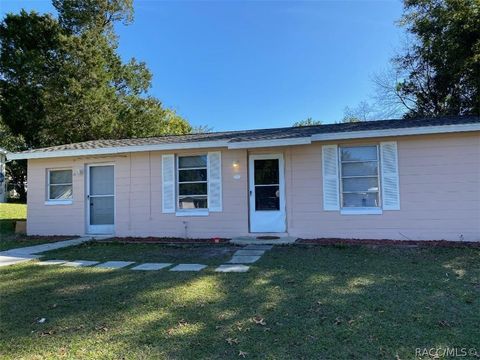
(391, 179)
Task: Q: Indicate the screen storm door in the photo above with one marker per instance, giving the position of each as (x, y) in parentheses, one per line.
(100, 199)
(267, 193)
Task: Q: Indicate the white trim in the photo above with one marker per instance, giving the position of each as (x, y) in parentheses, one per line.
(378, 177)
(390, 180)
(99, 229)
(177, 184)
(423, 130)
(267, 221)
(361, 211)
(330, 177)
(441, 129)
(270, 143)
(203, 212)
(212, 182)
(118, 150)
(58, 202)
(169, 190)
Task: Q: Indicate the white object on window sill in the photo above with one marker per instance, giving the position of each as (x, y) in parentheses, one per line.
(59, 202)
(192, 213)
(361, 211)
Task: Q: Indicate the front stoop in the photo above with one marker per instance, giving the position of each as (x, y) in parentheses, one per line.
(252, 240)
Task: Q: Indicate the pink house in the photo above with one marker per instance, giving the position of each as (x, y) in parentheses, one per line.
(392, 179)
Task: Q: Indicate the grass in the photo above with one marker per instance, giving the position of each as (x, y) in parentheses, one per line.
(297, 302)
(9, 213)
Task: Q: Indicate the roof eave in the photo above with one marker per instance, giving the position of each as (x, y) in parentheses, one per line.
(424, 130)
(116, 150)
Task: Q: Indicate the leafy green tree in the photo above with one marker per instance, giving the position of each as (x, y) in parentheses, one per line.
(62, 79)
(307, 122)
(439, 71)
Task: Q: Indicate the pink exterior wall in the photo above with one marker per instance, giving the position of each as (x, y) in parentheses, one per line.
(439, 194)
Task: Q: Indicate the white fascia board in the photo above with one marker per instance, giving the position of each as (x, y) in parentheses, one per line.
(424, 130)
(117, 150)
(270, 143)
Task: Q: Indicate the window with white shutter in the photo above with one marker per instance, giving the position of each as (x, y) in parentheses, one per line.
(390, 183)
(361, 179)
(192, 184)
(168, 183)
(215, 181)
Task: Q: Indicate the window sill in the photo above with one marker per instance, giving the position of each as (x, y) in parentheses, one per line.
(360, 211)
(59, 202)
(192, 213)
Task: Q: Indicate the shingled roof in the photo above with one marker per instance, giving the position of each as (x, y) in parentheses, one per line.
(229, 138)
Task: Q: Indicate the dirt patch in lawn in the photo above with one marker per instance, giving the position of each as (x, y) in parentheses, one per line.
(166, 240)
(107, 250)
(386, 242)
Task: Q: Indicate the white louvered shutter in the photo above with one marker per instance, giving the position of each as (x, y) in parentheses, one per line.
(215, 181)
(331, 197)
(168, 183)
(389, 167)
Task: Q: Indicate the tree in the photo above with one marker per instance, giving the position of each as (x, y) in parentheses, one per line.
(438, 73)
(62, 80)
(362, 112)
(307, 122)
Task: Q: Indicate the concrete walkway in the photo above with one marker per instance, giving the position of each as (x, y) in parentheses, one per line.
(19, 255)
(247, 255)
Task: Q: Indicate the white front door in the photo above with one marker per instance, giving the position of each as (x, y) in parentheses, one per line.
(100, 199)
(267, 193)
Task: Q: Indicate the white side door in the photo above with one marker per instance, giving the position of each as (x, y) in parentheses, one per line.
(267, 193)
(100, 199)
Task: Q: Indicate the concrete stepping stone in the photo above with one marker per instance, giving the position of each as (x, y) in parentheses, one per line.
(232, 268)
(243, 259)
(80, 263)
(249, 253)
(151, 266)
(51, 262)
(115, 264)
(258, 247)
(188, 267)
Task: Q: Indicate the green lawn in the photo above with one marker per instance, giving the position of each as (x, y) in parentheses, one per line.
(332, 302)
(9, 213)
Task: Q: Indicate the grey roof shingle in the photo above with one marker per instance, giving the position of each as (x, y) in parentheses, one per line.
(267, 134)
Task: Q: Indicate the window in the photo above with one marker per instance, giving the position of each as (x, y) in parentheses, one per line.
(60, 184)
(192, 182)
(359, 177)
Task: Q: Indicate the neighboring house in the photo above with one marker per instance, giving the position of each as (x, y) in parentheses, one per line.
(389, 179)
(3, 180)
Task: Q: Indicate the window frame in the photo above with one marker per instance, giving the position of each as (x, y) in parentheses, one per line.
(195, 211)
(367, 209)
(49, 200)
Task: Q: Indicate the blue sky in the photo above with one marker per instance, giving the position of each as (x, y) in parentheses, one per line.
(238, 65)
